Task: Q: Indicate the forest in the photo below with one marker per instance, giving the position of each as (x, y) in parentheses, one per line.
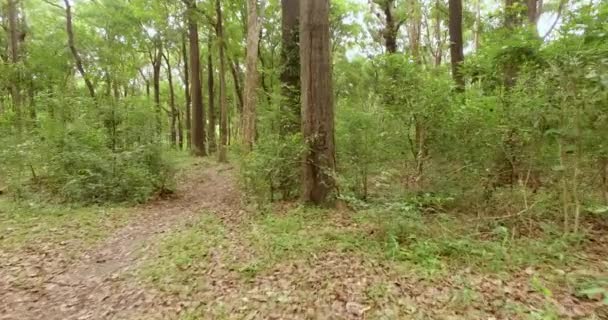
(303, 159)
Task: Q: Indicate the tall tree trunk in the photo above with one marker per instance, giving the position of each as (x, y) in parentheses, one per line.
(414, 29)
(211, 91)
(72, 45)
(180, 130)
(456, 43)
(188, 107)
(156, 60)
(391, 27)
(252, 76)
(438, 40)
(223, 152)
(319, 161)
(534, 11)
(198, 113)
(290, 75)
(238, 94)
(174, 112)
(477, 27)
(15, 57)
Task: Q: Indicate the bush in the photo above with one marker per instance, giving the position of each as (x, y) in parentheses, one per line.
(271, 172)
(79, 161)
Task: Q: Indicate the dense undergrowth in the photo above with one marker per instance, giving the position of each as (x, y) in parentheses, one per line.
(68, 155)
(531, 148)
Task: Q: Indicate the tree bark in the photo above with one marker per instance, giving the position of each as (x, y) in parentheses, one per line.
(319, 161)
(414, 29)
(75, 54)
(211, 91)
(198, 112)
(223, 152)
(236, 77)
(477, 27)
(252, 76)
(456, 43)
(188, 107)
(391, 27)
(15, 56)
(534, 11)
(174, 112)
(156, 60)
(290, 75)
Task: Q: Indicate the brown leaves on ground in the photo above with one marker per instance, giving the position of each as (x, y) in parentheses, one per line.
(63, 281)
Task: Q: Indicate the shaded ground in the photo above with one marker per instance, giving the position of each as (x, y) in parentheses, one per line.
(201, 256)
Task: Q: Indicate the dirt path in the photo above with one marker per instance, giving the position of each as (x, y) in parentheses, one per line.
(60, 282)
(50, 284)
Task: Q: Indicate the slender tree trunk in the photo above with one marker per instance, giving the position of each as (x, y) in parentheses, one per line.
(414, 29)
(156, 66)
(236, 77)
(319, 161)
(477, 27)
(456, 43)
(223, 152)
(252, 75)
(188, 106)
(438, 40)
(180, 130)
(198, 113)
(173, 108)
(211, 90)
(146, 82)
(290, 76)
(72, 45)
(15, 57)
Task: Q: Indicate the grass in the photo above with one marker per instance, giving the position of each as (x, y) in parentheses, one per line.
(181, 256)
(432, 244)
(301, 233)
(23, 224)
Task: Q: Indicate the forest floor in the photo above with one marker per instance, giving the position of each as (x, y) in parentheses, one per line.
(204, 255)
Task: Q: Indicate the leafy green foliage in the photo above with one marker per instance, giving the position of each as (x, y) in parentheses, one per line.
(268, 172)
(71, 158)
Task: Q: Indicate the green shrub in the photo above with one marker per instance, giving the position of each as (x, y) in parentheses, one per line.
(77, 160)
(271, 171)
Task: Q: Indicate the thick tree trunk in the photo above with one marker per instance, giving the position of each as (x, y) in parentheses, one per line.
(75, 54)
(319, 162)
(223, 152)
(252, 76)
(198, 113)
(456, 43)
(391, 27)
(188, 106)
(290, 75)
(535, 8)
(211, 91)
